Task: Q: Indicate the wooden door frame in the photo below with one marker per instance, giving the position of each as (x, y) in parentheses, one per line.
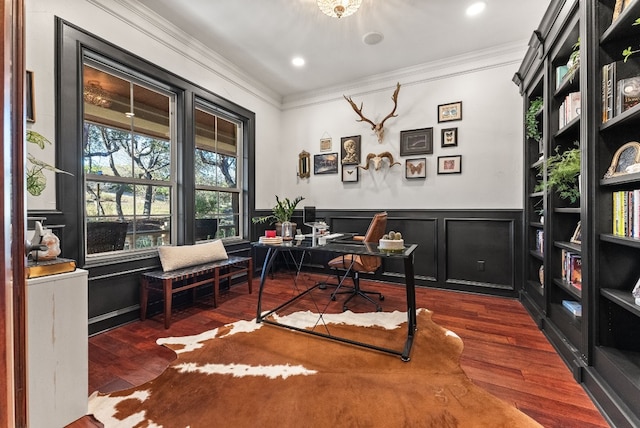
(13, 397)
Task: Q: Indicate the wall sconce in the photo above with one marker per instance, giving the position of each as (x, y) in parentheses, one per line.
(304, 164)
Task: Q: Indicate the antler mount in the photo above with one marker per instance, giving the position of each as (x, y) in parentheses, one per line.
(378, 128)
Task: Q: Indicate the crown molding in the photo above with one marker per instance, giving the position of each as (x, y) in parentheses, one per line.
(498, 56)
(143, 20)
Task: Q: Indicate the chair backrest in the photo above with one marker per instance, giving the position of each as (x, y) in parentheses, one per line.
(376, 231)
(103, 236)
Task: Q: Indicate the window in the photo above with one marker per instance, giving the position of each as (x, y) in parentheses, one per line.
(146, 170)
(217, 197)
(127, 158)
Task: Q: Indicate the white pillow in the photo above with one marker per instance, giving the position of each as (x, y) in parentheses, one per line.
(173, 258)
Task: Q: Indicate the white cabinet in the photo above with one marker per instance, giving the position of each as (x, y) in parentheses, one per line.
(57, 349)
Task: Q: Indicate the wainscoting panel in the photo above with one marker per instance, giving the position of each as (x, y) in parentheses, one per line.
(480, 253)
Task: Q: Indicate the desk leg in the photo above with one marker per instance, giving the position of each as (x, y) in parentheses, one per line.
(268, 261)
(216, 286)
(411, 306)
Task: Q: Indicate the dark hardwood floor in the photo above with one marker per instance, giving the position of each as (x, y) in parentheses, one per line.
(504, 352)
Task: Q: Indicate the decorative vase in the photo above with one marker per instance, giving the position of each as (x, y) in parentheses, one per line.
(287, 231)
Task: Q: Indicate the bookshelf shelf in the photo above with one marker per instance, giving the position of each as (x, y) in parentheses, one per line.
(601, 345)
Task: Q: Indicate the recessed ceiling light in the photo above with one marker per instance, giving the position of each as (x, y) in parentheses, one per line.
(372, 38)
(298, 61)
(476, 8)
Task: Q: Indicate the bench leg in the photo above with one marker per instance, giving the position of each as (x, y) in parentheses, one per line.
(216, 286)
(168, 294)
(144, 298)
(250, 276)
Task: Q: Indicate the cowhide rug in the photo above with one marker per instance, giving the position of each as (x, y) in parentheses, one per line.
(256, 375)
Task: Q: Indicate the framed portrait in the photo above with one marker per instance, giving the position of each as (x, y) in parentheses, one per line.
(325, 164)
(325, 144)
(450, 112)
(416, 142)
(350, 150)
(350, 173)
(415, 168)
(625, 160)
(449, 137)
(576, 238)
(450, 164)
(30, 97)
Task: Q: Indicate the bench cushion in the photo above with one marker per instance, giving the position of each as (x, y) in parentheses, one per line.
(176, 257)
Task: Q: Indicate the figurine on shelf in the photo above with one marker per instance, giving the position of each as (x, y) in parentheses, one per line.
(49, 244)
(636, 292)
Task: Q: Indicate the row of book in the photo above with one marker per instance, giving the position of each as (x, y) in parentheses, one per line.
(626, 213)
(572, 269)
(618, 96)
(569, 109)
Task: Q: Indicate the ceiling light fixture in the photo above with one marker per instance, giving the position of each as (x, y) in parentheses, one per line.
(339, 8)
(94, 94)
(298, 61)
(476, 8)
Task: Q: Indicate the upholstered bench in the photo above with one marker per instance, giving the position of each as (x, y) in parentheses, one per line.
(174, 278)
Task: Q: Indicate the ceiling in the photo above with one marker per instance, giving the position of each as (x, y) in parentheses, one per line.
(262, 36)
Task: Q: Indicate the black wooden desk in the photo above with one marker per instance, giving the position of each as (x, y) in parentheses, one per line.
(340, 247)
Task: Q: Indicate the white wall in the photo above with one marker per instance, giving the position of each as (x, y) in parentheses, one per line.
(155, 40)
(489, 140)
(490, 134)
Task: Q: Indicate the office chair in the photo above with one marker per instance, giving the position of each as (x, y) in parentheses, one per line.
(361, 264)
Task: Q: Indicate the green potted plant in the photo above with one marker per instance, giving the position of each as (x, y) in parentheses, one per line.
(281, 212)
(563, 171)
(531, 119)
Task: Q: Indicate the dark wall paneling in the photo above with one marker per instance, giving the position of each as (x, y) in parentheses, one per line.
(450, 244)
(480, 252)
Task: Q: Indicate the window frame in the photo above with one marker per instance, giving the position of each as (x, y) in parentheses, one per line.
(72, 46)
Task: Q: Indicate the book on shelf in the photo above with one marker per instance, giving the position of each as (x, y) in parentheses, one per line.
(572, 306)
(627, 94)
(626, 213)
(569, 109)
(572, 269)
(618, 8)
(608, 91)
(561, 73)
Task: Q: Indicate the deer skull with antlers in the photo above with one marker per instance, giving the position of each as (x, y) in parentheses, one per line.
(378, 128)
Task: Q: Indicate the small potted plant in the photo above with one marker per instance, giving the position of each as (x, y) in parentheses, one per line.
(563, 174)
(281, 212)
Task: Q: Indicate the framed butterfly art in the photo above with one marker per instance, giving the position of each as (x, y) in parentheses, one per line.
(416, 168)
(449, 137)
(350, 173)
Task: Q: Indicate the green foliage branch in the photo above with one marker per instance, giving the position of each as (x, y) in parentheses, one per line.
(531, 119)
(36, 180)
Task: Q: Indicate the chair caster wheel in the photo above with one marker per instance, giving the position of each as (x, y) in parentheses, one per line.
(345, 309)
(322, 286)
(381, 297)
(333, 298)
(378, 309)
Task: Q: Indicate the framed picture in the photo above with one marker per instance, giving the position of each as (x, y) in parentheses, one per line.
(325, 144)
(350, 173)
(416, 168)
(450, 112)
(625, 160)
(450, 164)
(416, 142)
(350, 150)
(325, 164)
(576, 238)
(30, 97)
(449, 137)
